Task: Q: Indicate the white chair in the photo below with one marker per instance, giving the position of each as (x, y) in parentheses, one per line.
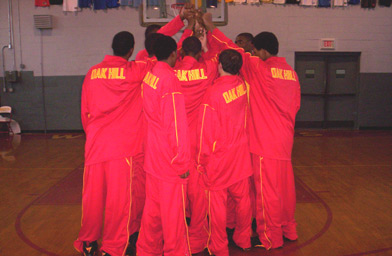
(5, 118)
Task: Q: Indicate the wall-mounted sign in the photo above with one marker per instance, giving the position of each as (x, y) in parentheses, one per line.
(327, 44)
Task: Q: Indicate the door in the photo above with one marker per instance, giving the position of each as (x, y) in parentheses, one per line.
(329, 89)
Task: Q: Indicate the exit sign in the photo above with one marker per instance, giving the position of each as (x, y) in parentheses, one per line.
(327, 44)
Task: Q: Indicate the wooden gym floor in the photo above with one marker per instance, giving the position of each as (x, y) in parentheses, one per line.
(343, 179)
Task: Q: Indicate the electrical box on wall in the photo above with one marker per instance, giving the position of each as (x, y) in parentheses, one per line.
(11, 76)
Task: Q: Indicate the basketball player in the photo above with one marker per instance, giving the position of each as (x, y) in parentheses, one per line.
(167, 158)
(112, 119)
(224, 156)
(195, 77)
(139, 177)
(274, 102)
(244, 40)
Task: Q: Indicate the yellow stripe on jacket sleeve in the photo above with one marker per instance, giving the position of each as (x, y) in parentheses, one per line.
(201, 133)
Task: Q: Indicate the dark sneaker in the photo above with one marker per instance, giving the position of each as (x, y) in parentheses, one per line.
(90, 249)
(256, 242)
(254, 225)
(289, 240)
(131, 249)
(230, 233)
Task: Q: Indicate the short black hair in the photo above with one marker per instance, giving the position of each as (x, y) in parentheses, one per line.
(151, 29)
(267, 41)
(164, 46)
(150, 41)
(247, 35)
(191, 45)
(122, 43)
(231, 61)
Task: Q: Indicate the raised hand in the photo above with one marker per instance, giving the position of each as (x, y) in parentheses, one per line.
(207, 20)
(203, 39)
(187, 11)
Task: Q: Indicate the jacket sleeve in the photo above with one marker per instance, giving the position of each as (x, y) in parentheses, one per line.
(84, 102)
(172, 28)
(176, 125)
(207, 129)
(212, 67)
(250, 63)
(214, 48)
(298, 96)
(143, 66)
(141, 55)
(221, 41)
(187, 33)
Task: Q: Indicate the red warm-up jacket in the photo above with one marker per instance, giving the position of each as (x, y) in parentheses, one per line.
(195, 77)
(111, 109)
(274, 102)
(223, 143)
(167, 152)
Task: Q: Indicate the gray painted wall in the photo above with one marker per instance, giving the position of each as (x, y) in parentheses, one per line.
(79, 40)
(375, 100)
(62, 102)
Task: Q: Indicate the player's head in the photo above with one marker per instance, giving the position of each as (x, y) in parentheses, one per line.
(165, 49)
(244, 40)
(191, 47)
(265, 45)
(151, 29)
(150, 41)
(230, 61)
(123, 44)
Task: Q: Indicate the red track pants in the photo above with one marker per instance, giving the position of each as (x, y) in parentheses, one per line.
(231, 205)
(163, 220)
(239, 192)
(275, 200)
(198, 228)
(107, 186)
(138, 193)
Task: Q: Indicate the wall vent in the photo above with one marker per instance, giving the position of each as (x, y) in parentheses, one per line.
(43, 21)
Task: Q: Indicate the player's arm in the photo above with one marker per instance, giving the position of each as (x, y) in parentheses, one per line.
(176, 24)
(298, 96)
(141, 55)
(251, 64)
(85, 113)
(213, 48)
(141, 67)
(207, 135)
(221, 38)
(176, 125)
(188, 31)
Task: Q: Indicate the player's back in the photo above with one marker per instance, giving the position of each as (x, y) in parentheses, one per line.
(274, 101)
(230, 160)
(112, 109)
(167, 145)
(195, 77)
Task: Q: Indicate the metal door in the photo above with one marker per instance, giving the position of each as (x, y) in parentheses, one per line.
(329, 86)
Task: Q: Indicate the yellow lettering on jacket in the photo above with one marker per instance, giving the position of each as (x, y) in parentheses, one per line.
(93, 74)
(191, 75)
(151, 80)
(107, 73)
(284, 74)
(234, 93)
